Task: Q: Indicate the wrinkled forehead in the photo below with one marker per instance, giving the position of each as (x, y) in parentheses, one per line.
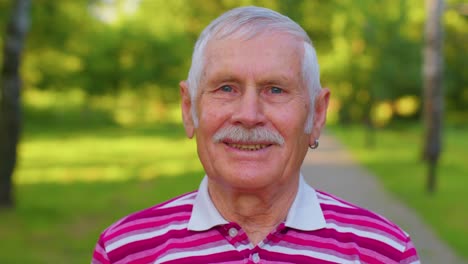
(288, 49)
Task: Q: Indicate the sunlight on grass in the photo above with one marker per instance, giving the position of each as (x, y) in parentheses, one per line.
(46, 99)
(69, 138)
(101, 158)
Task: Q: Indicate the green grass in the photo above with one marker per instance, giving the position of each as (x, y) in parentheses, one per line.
(395, 159)
(79, 172)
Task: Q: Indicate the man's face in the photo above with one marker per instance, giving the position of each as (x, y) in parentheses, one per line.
(252, 84)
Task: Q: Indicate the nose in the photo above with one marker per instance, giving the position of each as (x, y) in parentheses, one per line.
(249, 112)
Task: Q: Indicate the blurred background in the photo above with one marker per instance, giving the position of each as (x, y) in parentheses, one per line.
(101, 132)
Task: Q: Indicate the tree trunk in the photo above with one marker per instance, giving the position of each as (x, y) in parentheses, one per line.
(10, 84)
(433, 95)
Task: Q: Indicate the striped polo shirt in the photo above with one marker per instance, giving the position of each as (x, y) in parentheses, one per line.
(319, 228)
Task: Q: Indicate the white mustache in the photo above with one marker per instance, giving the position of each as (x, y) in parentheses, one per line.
(242, 134)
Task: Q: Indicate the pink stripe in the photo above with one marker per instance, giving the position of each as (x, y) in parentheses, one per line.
(361, 223)
(145, 227)
(347, 245)
(357, 212)
(134, 250)
(345, 250)
(99, 255)
(274, 257)
(190, 195)
(364, 217)
(154, 218)
(330, 197)
(333, 237)
(231, 256)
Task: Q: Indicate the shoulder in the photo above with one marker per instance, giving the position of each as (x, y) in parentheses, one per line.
(352, 233)
(173, 213)
(363, 225)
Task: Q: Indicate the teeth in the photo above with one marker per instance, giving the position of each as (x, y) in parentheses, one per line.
(249, 147)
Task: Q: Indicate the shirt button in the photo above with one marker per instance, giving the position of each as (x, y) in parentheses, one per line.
(233, 232)
(255, 258)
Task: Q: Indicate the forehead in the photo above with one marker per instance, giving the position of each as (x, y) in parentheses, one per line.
(267, 54)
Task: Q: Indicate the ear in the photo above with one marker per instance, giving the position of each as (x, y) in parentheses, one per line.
(320, 114)
(186, 106)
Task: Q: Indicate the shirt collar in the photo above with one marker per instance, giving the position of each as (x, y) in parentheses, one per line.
(204, 213)
(305, 212)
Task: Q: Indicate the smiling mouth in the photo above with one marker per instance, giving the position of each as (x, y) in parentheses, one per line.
(248, 147)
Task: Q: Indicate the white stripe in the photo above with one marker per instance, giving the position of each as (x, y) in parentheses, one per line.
(146, 235)
(196, 252)
(334, 202)
(309, 253)
(189, 196)
(180, 201)
(244, 247)
(366, 234)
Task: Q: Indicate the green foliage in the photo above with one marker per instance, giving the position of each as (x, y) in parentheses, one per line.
(376, 58)
(369, 52)
(456, 62)
(5, 9)
(87, 50)
(397, 163)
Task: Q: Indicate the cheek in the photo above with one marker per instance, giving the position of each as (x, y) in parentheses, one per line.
(211, 117)
(291, 119)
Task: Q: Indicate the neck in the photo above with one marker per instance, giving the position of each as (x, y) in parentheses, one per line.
(258, 212)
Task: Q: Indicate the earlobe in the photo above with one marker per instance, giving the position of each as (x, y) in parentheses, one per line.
(320, 114)
(186, 107)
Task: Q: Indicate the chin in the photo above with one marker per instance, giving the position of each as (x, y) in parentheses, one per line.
(243, 180)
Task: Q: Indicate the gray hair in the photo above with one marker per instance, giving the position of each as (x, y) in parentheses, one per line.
(248, 22)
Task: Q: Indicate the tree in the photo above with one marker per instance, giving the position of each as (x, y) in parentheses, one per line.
(10, 84)
(433, 95)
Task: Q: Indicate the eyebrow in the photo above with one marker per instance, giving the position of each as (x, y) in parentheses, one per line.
(232, 78)
(281, 79)
(223, 79)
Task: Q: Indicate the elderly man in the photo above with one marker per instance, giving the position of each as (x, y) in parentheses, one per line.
(254, 103)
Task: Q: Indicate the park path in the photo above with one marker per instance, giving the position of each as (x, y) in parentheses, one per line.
(331, 168)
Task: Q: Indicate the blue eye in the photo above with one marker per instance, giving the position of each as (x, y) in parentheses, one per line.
(226, 88)
(276, 90)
